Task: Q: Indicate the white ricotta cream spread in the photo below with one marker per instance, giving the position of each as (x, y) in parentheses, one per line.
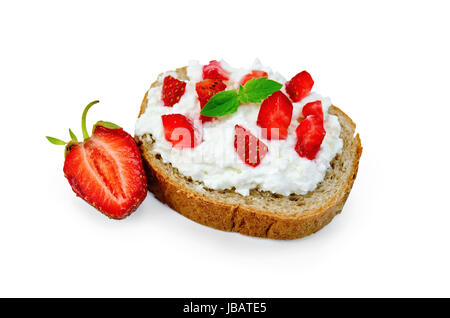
(214, 161)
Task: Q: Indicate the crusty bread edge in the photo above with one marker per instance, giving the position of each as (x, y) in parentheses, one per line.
(239, 218)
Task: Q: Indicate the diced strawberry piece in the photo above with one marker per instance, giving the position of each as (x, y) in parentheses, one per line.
(252, 75)
(310, 134)
(249, 148)
(106, 171)
(207, 89)
(275, 116)
(299, 86)
(215, 71)
(313, 108)
(172, 90)
(178, 130)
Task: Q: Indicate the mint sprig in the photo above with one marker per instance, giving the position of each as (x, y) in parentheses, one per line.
(227, 102)
(221, 104)
(258, 89)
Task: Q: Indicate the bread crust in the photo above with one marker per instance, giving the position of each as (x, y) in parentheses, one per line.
(244, 219)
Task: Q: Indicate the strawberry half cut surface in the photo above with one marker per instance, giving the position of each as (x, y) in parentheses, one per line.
(275, 116)
(310, 134)
(207, 89)
(252, 75)
(249, 148)
(178, 130)
(313, 108)
(215, 71)
(172, 90)
(106, 169)
(299, 86)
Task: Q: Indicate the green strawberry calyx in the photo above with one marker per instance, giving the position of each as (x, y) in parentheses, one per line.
(73, 138)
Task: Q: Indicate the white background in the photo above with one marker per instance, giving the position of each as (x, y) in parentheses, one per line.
(385, 63)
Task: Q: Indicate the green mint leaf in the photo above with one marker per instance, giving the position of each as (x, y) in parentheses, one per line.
(243, 98)
(227, 102)
(258, 89)
(221, 104)
(73, 136)
(55, 141)
(107, 124)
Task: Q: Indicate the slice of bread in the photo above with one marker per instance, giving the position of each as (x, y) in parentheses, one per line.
(262, 214)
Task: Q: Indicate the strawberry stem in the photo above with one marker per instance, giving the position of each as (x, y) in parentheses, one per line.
(83, 119)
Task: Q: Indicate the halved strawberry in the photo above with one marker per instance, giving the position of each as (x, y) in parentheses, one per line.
(252, 75)
(215, 71)
(105, 169)
(172, 90)
(178, 130)
(275, 116)
(313, 108)
(249, 148)
(310, 134)
(207, 89)
(299, 86)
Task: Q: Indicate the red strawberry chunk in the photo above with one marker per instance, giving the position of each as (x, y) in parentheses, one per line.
(299, 86)
(106, 171)
(178, 130)
(313, 108)
(252, 75)
(215, 71)
(172, 90)
(310, 134)
(275, 116)
(249, 148)
(207, 89)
